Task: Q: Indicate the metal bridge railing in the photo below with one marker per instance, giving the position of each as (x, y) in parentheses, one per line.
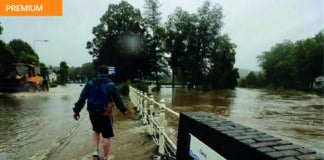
(153, 115)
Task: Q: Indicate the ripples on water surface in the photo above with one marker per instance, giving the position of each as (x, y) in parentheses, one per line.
(39, 126)
(291, 115)
(27, 130)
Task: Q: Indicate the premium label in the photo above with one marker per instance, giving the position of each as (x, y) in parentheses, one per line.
(31, 8)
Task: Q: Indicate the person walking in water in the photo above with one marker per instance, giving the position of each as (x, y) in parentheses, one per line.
(100, 93)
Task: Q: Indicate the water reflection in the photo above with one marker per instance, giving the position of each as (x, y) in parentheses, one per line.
(183, 100)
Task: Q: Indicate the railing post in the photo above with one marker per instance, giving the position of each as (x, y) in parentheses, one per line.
(161, 127)
(130, 93)
(151, 111)
(139, 99)
(133, 96)
(145, 102)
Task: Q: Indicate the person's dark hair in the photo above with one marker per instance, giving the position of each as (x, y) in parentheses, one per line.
(103, 69)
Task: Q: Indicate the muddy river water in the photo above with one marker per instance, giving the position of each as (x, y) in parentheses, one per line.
(294, 116)
(40, 126)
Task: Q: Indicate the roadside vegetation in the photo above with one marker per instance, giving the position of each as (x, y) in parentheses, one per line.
(289, 65)
(188, 49)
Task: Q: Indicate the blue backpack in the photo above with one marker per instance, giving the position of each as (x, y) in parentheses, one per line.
(98, 96)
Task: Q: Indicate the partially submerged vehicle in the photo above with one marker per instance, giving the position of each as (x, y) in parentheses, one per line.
(23, 77)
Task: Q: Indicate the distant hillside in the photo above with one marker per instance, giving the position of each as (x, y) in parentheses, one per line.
(244, 72)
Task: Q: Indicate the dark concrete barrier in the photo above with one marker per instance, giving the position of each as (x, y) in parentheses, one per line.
(204, 136)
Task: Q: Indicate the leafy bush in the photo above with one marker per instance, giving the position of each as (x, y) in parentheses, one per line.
(123, 88)
(141, 85)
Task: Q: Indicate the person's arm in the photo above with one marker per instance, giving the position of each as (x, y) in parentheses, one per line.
(81, 101)
(116, 97)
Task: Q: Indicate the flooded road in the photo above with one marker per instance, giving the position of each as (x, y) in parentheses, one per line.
(36, 125)
(294, 116)
(39, 126)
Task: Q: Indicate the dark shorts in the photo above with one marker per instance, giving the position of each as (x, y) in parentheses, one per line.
(102, 124)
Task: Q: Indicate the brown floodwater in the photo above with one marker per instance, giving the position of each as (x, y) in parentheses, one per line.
(39, 126)
(291, 115)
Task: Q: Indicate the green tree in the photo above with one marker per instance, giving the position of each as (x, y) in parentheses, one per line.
(24, 53)
(44, 70)
(293, 65)
(276, 65)
(308, 60)
(63, 73)
(1, 29)
(7, 58)
(176, 42)
(199, 52)
(88, 71)
(182, 43)
(16, 51)
(119, 41)
(223, 74)
(74, 73)
(250, 80)
(83, 73)
(155, 38)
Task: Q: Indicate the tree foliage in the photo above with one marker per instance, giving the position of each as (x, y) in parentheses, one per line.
(155, 38)
(119, 41)
(7, 57)
(200, 54)
(16, 51)
(24, 53)
(1, 29)
(83, 73)
(63, 73)
(43, 70)
(294, 65)
(252, 80)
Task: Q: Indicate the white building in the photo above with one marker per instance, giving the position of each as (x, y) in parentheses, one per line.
(52, 77)
(319, 83)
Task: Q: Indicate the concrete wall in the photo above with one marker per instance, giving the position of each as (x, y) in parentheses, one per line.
(233, 141)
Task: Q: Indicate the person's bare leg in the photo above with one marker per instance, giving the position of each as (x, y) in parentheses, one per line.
(96, 140)
(106, 147)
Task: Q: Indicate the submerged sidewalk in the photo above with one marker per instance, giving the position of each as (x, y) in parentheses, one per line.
(129, 143)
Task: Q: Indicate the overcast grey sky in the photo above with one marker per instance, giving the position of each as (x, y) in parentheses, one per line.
(253, 25)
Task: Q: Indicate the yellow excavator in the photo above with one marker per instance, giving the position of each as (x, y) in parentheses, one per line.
(23, 77)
